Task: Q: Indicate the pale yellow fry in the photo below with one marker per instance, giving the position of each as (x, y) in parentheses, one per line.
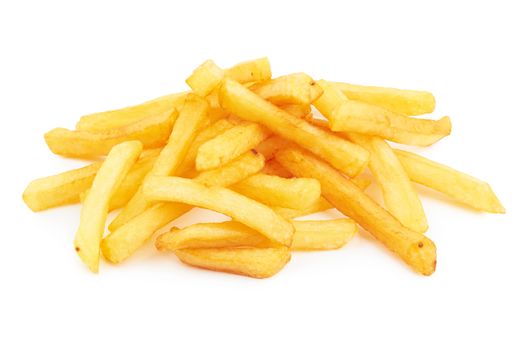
(252, 262)
(124, 241)
(193, 115)
(250, 71)
(205, 78)
(299, 111)
(289, 213)
(229, 145)
(243, 209)
(457, 185)
(342, 154)
(95, 207)
(345, 114)
(415, 249)
(405, 102)
(400, 196)
(118, 118)
(296, 193)
(152, 132)
(308, 235)
(298, 88)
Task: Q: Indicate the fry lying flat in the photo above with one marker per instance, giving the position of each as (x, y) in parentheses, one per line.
(416, 250)
(243, 209)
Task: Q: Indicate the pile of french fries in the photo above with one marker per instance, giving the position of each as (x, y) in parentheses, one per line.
(251, 147)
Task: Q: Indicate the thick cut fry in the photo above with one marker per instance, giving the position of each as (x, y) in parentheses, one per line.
(457, 185)
(152, 132)
(415, 249)
(229, 145)
(344, 114)
(295, 193)
(240, 208)
(343, 155)
(193, 115)
(298, 88)
(205, 78)
(95, 207)
(104, 121)
(299, 111)
(404, 102)
(308, 235)
(400, 196)
(250, 71)
(252, 262)
(124, 241)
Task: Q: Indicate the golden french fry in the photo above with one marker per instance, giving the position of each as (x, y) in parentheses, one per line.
(193, 115)
(271, 146)
(455, 184)
(289, 213)
(343, 155)
(229, 145)
(298, 88)
(252, 262)
(295, 193)
(308, 235)
(250, 71)
(125, 240)
(95, 207)
(274, 168)
(205, 78)
(347, 115)
(415, 249)
(400, 196)
(404, 102)
(243, 209)
(299, 111)
(105, 121)
(152, 132)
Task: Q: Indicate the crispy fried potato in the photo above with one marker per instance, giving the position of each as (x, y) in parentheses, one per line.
(299, 111)
(252, 262)
(205, 78)
(400, 196)
(271, 146)
(250, 71)
(308, 235)
(186, 127)
(288, 213)
(152, 132)
(95, 207)
(345, 114)
(343, 155)
(240, 208)
(229, 145)
(455, 184)
(416, 250)
(274, 168)
(295, 193)
(124, 241)
(105, 121)
(404, 102)
(298, 88)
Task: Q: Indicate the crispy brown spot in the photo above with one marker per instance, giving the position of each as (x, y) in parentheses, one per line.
(77, 249)
(254, 151)
(420, 244)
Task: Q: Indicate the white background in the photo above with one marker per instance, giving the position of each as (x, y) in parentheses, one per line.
(60, 60)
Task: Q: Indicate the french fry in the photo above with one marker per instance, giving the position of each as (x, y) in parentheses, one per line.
(274, 168)
(270, 146)
(250, 71)
(95, 207)
(347, 115)
(240, 208)
(299, 111)
(400, 196)
(193, 115)
(296, 193)
(460, 186)
(416, 250)
(404, 102)
(308, 235)
(116, 119)
(152, 132)
(288, 213)
(205, 78)
(229, 145)
(252, 262)
(343, 155)
(123, 242)
(298, 89)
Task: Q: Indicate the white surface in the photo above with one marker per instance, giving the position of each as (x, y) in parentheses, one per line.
(61, 60)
